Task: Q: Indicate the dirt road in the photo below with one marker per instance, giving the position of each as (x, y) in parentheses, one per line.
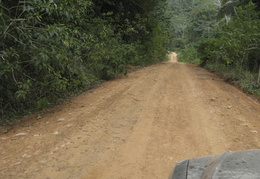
(136, 127)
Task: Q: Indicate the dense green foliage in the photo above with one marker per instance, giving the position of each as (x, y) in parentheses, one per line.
(235, 49)
(52, 48)
(179, 11)
(237, 44)
(224, 36)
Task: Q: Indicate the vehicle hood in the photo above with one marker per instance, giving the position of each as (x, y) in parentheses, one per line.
(228, 165)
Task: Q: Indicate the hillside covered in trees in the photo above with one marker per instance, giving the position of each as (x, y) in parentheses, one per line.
(50, 49)
(221, 35)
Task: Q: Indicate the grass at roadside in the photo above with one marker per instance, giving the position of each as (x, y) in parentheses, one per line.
(245, 80)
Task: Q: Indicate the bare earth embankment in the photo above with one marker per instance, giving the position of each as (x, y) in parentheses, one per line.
(134, 127)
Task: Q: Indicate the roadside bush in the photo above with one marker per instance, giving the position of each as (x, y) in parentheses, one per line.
(52, 49)
(235, 49)
(189, 54)
(237, 45)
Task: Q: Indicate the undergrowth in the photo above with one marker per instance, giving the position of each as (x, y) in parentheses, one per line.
(245, 80)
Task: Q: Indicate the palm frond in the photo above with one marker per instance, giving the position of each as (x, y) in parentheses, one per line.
(228, 8)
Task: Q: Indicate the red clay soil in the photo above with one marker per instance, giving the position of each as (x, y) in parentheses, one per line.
(133, 127)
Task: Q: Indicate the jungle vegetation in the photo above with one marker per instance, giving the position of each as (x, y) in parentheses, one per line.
(51, 49)
(223, 36)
